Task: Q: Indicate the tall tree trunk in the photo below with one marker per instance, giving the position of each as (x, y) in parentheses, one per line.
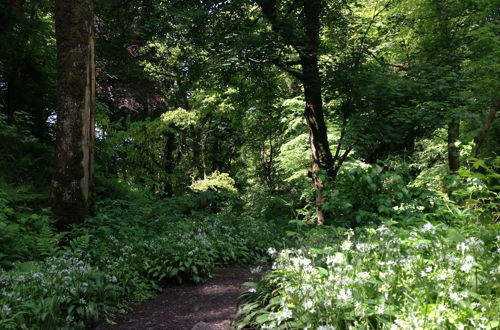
(72, 184)
(321, 155)
(447, 52)
(485, 129)
(307, 45)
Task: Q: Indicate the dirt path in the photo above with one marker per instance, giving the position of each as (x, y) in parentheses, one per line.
(182, 307)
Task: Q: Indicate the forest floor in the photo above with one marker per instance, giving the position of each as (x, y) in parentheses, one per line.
(206, 306)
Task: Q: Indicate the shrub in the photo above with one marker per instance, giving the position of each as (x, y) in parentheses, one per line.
(24, 234)
(365, 193)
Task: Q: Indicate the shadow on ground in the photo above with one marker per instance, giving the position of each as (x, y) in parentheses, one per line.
(210, 305)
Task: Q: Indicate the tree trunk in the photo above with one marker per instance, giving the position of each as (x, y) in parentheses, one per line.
(307, 46)
(321, 155)
(453, 151)
(11, 99)
(169, 162)
(447, 51)
(72, 184)
(485, 129)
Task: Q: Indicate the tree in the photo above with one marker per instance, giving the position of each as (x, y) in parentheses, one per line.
(72, 183)
(306, 44)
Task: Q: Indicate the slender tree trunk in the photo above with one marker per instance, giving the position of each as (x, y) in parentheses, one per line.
(321, 155)
(169, 162)
(307, 46)
(453, 151)
(485, 129)
(11, 99)
(72, 184)
(311, 80)
(447, 52)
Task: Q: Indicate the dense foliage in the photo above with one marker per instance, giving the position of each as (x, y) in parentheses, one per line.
(421, 268)
(126, 253)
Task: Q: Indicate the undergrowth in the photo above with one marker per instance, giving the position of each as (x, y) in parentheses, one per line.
(412, 259)
(419, 276)
(125, 254)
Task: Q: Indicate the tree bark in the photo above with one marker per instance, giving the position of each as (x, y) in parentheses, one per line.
(169, 162)
(318, 138)
(72, 184)
(311, 80)
(447, 51)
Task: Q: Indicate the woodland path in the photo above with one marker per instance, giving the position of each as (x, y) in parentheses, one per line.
(205, 306)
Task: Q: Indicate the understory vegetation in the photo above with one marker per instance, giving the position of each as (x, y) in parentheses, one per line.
(415, 269)
(132, 249)
(351, 146)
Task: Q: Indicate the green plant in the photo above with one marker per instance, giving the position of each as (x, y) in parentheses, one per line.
(126, 253)
(420, 276)
(481, 188)
(365, 193)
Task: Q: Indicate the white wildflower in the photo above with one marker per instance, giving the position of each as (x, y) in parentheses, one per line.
(454, 296)
(6, 310)
(286, 313)
(462, 247)
(427, 227)
(344, 295)
(364, 275)
(271, 251)
(338, 258)
(346, 245)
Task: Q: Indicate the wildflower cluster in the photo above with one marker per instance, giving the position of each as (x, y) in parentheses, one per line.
(426, 277)
(108, 263)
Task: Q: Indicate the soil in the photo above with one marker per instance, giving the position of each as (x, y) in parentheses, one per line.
(210, 305)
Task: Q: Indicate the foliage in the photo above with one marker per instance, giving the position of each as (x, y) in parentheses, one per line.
(481, 188)
(398, 275)
(365, 194)
(126, 253)
(24, 234)
(202, 154)
(215, 181)
(25, 160)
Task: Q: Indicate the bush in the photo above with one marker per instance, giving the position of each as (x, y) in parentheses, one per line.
(24, 233)
(480, 188)
(365, 194)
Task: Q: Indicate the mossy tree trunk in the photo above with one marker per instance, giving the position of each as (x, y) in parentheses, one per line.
(72, 184)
